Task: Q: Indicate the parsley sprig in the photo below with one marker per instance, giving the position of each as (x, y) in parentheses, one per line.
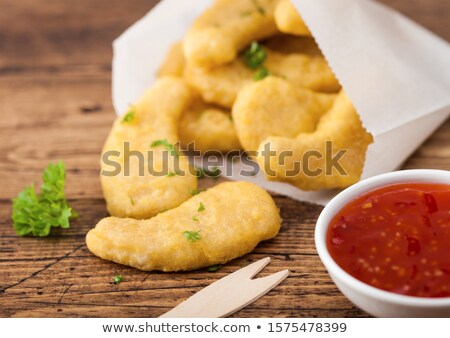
(129, 116)
(201, 207)
(36, 214)
(192, 236)
(117, 279)
(261, 74)
(255, 56)
(194, 192)
(169, 146)
(214, 268)
(213, 172)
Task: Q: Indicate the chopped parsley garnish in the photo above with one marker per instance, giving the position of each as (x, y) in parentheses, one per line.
(131, 200)
(201, 207)
(117, 279)
(171, 174)
(259, 7)
(214, 268)
(214, 172)
(194, 192)
(129, 116)
(192, 236)
(255, 56)
(37, 214)
(261, 74)
(195, 218)
(169, 147)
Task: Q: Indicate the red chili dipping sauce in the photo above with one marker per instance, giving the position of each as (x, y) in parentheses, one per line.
(397, 239)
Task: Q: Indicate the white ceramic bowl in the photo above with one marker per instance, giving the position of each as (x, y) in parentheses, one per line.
(377, 302)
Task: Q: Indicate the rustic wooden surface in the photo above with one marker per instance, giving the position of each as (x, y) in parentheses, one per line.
(55, 104)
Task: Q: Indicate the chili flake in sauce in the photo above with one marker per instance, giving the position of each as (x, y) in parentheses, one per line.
(397, 239)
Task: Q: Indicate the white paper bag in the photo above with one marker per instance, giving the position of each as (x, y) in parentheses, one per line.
(396, 73)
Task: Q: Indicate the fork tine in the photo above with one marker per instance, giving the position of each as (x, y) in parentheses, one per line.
(270, 281)
(251, 270)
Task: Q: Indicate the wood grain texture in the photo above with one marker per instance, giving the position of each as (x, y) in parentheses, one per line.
(55, 103)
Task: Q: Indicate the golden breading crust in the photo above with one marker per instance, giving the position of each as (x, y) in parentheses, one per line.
(235, 217)
(342, 126)
(274, 107)
(139, 193)
(288, 19)
(173, 64)
(208, 127)
(228, 26)
(221, 85)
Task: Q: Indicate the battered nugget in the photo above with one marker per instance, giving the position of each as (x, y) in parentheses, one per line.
(208, 127)
(221, 85)
(173, 64)
(291, 44)
(226, 28)
(213, 227)
(342, 126)
(274, 107)
(288, 19)
(152, 184)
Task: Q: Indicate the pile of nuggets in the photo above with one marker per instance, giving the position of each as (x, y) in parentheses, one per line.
(248, 74)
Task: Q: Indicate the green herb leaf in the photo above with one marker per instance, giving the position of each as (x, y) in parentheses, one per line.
(195, 218)
(255, 56)
(117, 279)
(194, 192)
(201, 207)
(36, 214)
(129, 116)
(192, 236)
(261, 74)
(259, 7)
(214, 268)
(171, 174)
(214, 172)
(169, 147)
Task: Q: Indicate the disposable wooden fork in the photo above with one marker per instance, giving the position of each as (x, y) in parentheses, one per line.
(229, 294)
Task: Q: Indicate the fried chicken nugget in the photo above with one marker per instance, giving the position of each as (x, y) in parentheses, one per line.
(145, 188)
(350, 140)
(176, 241)
(292, 44)
(221, 85)
(274, 107)
(208, 127)
(288, 19)
(173, 64)
(226, 28)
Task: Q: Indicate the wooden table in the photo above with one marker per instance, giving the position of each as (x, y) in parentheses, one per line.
(55, 103)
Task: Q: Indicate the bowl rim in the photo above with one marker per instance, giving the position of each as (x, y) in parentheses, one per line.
(349, 194)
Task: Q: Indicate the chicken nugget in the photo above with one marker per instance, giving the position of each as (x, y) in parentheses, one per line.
(333, 156)
(208, 127)
(288, 19)
(292, 44)
(228, 26)
(274, 107)
(221, 85)
(142, 174)
(213, 227)
(173, 64)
